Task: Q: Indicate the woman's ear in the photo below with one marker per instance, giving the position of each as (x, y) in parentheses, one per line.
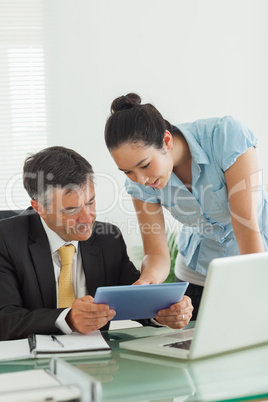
(167, 141)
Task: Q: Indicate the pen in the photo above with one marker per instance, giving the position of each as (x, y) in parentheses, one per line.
(32, 342)
(54, 338)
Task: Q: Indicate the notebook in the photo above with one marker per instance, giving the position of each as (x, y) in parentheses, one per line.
(45, 346)
(232, 313)
(140, 301)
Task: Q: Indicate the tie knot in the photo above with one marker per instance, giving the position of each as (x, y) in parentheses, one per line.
(67, 254)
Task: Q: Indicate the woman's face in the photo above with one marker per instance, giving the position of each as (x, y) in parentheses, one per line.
(145, 164)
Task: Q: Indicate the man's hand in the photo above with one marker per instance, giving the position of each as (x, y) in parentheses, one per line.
(176, 316)
(85, 316)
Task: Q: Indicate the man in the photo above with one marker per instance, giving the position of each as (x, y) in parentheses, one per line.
(60, 184)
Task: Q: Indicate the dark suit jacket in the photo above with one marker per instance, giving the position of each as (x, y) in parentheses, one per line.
(27, 280)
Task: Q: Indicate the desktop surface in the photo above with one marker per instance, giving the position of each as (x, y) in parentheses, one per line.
(132, 376)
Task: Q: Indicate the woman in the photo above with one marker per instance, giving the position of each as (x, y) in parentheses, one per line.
(205, 173)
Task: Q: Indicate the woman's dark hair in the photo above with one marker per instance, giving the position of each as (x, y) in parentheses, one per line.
(54, 167)
(132, 122)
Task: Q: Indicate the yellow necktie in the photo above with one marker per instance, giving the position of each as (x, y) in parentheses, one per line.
(66, 295)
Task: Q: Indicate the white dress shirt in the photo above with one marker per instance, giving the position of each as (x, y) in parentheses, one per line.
(78, 276)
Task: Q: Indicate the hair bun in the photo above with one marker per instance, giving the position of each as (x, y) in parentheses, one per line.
(125, 102)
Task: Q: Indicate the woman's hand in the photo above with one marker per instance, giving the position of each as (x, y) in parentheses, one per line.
(150, 276)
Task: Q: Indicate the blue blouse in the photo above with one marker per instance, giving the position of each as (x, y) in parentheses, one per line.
(207, 230)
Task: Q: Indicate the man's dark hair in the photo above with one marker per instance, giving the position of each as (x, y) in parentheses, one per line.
(54, 167)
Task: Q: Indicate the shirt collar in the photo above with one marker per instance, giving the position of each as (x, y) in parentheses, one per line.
(175, 181)
(197, 153)
(55, 241)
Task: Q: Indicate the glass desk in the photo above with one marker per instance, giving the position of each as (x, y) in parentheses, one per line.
(130, 376)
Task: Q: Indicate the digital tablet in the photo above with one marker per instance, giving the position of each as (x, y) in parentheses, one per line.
(140, 301)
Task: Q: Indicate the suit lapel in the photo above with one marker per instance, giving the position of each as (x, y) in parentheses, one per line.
(93, 265)
(41, 256)
(42, 261)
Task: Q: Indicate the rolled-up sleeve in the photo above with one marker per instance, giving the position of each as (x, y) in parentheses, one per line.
(231, 138)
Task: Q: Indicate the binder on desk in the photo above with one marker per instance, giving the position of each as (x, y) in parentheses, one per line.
(45, 346)
(62, 382)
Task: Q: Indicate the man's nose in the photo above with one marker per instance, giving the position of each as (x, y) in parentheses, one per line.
(87, 214)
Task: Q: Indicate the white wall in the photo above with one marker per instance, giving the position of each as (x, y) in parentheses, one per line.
(192, 59)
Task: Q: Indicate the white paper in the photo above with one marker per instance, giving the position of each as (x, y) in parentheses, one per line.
(32, 386)
(72, 343)
(61, 393)
(29, 379)
(14, 350)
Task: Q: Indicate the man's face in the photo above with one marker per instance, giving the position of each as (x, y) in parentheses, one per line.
(71, 214)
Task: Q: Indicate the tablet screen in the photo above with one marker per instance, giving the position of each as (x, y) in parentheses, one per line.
(140, 301)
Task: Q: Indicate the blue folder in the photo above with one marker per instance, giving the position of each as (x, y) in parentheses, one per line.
(140, 301)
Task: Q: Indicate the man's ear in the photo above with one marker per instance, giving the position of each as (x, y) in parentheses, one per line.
(38, 208)
(167, 141)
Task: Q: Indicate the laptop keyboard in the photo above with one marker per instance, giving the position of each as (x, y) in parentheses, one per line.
(180, 345)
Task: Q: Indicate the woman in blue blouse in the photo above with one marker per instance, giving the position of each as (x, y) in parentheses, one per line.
(205, 173)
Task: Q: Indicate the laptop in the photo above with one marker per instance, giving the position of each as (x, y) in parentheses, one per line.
(232, 313)
(224, 377)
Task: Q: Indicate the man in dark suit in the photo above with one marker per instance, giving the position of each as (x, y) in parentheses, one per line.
(60, 184)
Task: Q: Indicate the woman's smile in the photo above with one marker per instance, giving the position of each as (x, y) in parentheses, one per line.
(145, 165)
(154, 184)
